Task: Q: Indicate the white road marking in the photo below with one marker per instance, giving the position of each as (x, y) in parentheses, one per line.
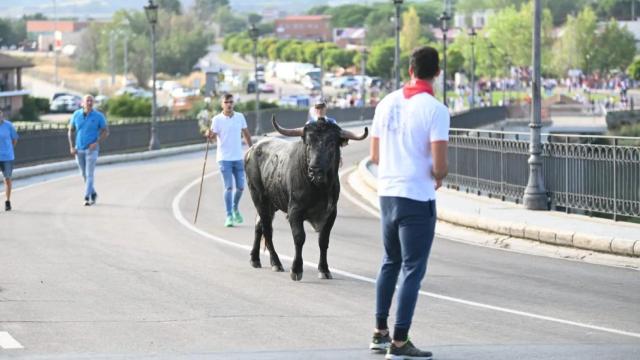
(181, 219)
(8, 342)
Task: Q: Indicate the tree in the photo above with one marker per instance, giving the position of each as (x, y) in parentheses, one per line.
(378, 25)
(348, 15)
(510, 33)
(86, 60)
(228, 21)
(184, 42)
(576, 45)
(205, 8)
(614, 49)
(254, 18)
(319, 10)
(172, 6)
(380, 62)
(338, 58)
(410, 33)
(634, 70)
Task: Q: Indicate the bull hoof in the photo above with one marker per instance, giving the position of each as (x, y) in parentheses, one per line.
(256, 263)
(277, 268)
(296, 276)
(325, 275)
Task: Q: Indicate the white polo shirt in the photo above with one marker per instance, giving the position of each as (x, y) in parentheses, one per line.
(406, 128)
(229, 131)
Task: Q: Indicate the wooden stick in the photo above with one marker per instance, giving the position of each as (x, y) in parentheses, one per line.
(204, 166)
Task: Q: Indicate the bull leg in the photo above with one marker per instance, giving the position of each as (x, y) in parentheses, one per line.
(267, 229)
(297, 229)
(255, 250)
(323, 242)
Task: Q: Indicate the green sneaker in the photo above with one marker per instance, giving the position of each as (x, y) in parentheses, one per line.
(407, 352)
(379, 342)
(237, 218)
(228, 222)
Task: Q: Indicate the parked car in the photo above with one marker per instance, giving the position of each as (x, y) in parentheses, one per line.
(267, 88)
(310, 84)
(183, 92)
(100, 101)
(345, 82)
(58, 94)
(134, 91)
(66, 104)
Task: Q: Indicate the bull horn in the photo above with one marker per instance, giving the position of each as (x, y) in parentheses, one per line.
(351, 136)
(286, 132)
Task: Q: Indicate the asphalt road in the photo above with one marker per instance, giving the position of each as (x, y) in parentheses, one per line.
(132, 277)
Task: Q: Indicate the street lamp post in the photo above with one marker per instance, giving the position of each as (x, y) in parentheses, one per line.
(473, 35)
(396, 59)
(363, 71)
(444, 26)
(55, 50)
(254, 34)
(151, 11)
(535, 196)
(321, 43)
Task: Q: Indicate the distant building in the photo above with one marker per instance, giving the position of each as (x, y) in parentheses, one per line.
(307, 27)
(632, 26)
(343, 37)
(11, 92)
(43, 31)
(478, 19)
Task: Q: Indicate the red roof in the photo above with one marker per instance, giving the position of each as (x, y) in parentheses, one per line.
(307, 17)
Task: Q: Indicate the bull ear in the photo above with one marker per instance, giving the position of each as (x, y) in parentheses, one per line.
(286, 132)
(348, 135)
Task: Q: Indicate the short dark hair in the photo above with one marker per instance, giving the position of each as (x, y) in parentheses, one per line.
(227, 96)
(425, 62)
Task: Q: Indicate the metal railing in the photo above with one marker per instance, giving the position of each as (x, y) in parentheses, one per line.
(592, 174)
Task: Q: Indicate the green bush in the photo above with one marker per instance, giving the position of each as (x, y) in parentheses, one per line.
(30, 110)
(128, 106)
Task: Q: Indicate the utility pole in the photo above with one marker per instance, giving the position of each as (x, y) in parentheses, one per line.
(126, 57)
(535, 196)
(55, 51)
(112, 65)
(396, 61)
(473, 35)
(254, 34)
(363, 71)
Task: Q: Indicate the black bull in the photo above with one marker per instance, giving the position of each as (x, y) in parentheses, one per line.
(301, 179)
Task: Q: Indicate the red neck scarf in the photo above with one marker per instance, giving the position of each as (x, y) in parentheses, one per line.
(417, 86)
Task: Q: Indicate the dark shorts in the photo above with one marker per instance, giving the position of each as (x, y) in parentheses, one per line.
(7, 168)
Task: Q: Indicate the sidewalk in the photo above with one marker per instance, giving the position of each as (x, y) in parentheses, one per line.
(510, 219)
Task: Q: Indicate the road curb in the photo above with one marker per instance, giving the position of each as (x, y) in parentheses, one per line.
(606, 244)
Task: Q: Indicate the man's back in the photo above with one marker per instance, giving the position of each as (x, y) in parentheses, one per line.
(406, 127)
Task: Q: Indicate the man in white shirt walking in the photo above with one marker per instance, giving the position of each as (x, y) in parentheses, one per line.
(410, 133)
(227, 127)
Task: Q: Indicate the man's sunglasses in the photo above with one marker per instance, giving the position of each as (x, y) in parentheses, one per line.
(229, 102)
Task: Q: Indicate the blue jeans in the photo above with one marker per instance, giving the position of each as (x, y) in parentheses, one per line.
(231, 170)
(408, 227)
(86, 160)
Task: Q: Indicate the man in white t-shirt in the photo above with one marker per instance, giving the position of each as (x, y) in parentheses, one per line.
(228, 127)
(410, 133)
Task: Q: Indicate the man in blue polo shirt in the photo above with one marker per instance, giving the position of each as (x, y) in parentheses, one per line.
(8, 140)
(88, 127)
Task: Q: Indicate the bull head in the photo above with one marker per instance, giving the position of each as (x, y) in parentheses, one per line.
(344, 134)
(322, 148)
